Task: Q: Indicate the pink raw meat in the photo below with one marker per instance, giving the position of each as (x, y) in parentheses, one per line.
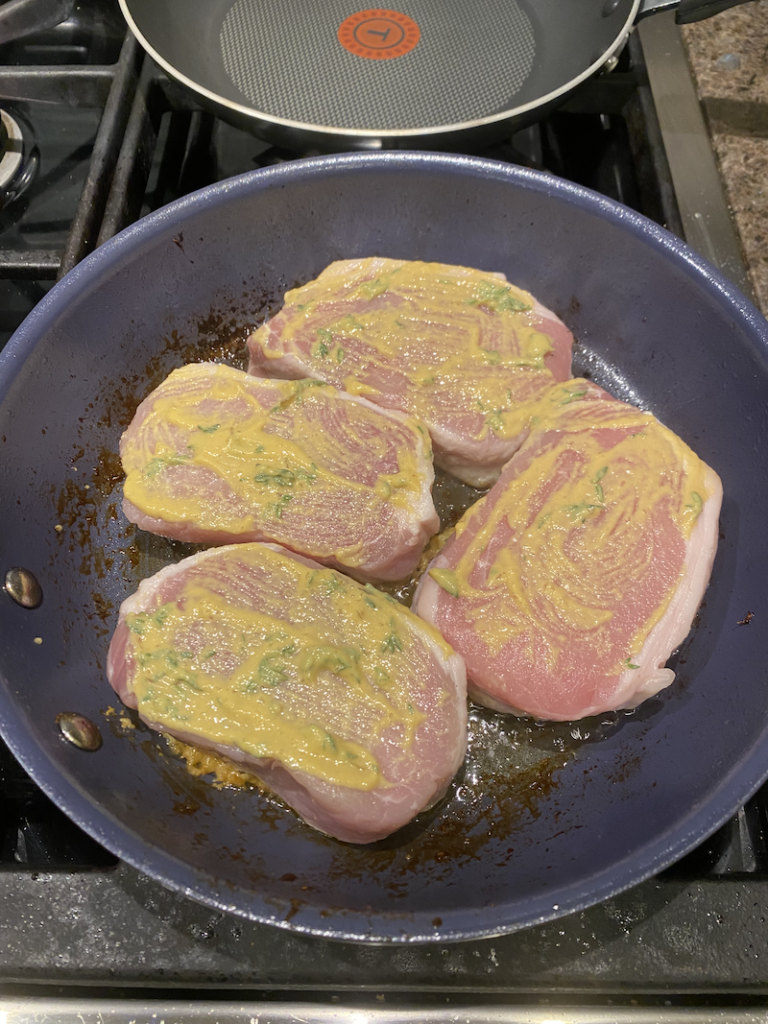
(461, 349)
(572, 607)
(215, 455)
(401, 701)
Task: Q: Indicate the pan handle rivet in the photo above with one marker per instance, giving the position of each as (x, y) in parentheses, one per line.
(22, 586)
(609, 7)
(79, 730)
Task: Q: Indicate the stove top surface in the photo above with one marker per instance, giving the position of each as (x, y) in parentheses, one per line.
(71, 915)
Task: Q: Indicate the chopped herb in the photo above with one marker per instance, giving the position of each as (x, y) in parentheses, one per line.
(185, 683)
(630, 664)
(297, 394)
(349, 323)
(582, 510)
(340, 354)
(497, 297)
(572, 396)
(333, 584)
(271, 670)
(286, 477)
(326, 658)
(393, 642)
(598, 486)
(161, 614)
(280, 478)
(278, 507)
(493, 417)
(209, 430)
(372, 289)
(154, 466)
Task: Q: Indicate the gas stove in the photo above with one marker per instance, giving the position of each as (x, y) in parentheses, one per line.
(94, 136)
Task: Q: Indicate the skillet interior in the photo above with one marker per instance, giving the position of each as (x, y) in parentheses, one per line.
(544, 820)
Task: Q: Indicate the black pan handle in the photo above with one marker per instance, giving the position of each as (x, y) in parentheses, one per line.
(688, 11)
(19, 18)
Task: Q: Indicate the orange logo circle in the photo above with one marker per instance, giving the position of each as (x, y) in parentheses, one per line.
(378, 34)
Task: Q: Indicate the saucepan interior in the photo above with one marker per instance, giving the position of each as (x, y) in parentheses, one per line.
(543, 819)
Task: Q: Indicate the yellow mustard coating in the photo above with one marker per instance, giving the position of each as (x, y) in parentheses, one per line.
(316, 677)
(457, 337)
(576, 534)
(210, 417)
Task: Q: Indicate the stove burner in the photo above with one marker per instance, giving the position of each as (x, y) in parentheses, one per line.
(19, 157)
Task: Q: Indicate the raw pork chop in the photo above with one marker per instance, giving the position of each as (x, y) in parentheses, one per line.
(461, 349)
(567, 586)
(215, 455)
(346, 704)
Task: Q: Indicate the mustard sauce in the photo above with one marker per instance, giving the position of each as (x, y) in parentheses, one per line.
(451, 338)
(318, 676)
(271, 458)
(572, 533)
(205, 762)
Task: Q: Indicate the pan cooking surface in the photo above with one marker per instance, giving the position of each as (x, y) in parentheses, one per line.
(542, 820)
(470, 61)
(339, 69)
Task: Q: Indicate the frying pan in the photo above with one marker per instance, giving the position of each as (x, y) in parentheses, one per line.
(335, 76)
(544, 819)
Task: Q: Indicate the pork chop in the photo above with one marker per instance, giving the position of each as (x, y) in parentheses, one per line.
(569, 584)
(215, 455)
(347, 705)
(463, 350)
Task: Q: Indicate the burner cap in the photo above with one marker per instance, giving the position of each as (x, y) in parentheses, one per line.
(19, 156)
(11, 147)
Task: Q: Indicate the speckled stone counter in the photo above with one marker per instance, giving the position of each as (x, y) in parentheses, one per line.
(729, 59)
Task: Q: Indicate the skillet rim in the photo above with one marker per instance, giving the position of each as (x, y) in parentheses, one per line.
(463, 924)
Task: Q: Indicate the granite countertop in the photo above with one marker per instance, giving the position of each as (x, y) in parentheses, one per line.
(728, 55)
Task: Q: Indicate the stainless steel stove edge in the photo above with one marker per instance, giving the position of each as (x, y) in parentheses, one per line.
(706, 219)
(60, 1011)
